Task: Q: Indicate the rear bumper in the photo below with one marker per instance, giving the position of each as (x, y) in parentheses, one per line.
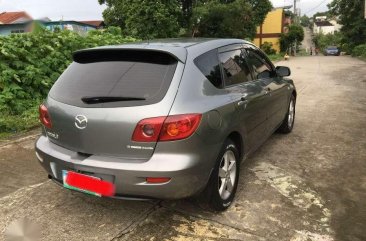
(333, 54)
(189, 172)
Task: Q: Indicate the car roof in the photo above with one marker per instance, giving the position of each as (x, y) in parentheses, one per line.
(177, 47)
(186, 42)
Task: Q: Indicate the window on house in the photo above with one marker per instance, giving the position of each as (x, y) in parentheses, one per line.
(17, 31)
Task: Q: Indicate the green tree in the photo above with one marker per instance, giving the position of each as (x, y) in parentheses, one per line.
(305, 21)
(289, 14)
(215, 19)
(295, 35)
(168, 18)
(144, 19)
(260, 10)
(326, 13)
(230, 19)
(351, 16)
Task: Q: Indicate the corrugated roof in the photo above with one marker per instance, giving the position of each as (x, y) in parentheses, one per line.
(95, 23)
(11, 17)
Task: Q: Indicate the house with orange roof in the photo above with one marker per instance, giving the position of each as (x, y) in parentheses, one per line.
(99, 24)
(22, 22)
(14, 22)
(14, 17)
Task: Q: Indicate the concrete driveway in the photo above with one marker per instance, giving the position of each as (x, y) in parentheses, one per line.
(308, 185)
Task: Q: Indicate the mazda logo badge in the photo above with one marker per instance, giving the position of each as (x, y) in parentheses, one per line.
(81, 122)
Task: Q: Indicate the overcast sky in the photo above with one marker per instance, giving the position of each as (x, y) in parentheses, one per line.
(91, 10)
(308, 7)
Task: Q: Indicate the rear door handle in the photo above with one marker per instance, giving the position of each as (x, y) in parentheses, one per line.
(243, 100)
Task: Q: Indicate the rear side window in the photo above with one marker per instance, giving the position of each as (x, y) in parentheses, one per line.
(235, 68)
(208, 64)
(140, 74)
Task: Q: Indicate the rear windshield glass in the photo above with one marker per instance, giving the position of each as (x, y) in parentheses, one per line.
(137, 74)
(332, 48)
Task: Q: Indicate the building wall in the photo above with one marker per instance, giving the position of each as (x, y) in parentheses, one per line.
(271, 29)
(256, 42)
(8, 29)
(337, 26)
(324, 29)
(273, 22)
(78, 28)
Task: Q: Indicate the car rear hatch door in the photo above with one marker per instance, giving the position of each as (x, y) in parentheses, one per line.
(97, 102)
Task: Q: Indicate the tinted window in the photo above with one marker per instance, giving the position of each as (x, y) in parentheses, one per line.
(208, 64)
(261, 68)
(143, 74)
(235, 68)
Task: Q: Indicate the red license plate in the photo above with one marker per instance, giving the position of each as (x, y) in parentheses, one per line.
(88, 184)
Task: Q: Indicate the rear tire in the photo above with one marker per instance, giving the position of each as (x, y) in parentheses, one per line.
(221, 188)
(289, 121)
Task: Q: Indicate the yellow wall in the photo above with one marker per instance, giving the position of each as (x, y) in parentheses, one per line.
(256, 41)
(273, 22)
(271, 25)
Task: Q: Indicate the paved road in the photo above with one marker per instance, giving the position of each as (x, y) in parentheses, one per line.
(307, 43)
(309, 185)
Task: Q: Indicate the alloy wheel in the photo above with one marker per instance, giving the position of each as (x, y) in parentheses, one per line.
(291, 114)
(227, 174)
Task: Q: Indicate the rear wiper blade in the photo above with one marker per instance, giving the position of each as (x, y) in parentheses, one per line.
(105, 99)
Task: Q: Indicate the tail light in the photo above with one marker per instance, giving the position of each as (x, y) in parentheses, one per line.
(148, 130)
(44, 116)
(169, 128)
(179, 127)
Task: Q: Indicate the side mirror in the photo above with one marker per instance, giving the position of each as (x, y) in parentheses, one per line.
(283, 71)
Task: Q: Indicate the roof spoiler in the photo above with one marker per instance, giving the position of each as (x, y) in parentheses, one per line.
(129, 54)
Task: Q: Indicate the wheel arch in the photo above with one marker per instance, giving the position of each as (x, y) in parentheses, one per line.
(294, 93)
(237, 138)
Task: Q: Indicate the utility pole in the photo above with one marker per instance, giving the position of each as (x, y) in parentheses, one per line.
(296, 18)
(296, 12)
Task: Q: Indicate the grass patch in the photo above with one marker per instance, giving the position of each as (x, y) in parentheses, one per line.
(302, 52)
(276, 57)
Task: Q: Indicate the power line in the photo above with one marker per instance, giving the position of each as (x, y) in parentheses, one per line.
(315, 7)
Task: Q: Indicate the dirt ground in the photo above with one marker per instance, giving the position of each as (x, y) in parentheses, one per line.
(309, 185)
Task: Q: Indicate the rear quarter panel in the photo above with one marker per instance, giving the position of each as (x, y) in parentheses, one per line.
(219, 111)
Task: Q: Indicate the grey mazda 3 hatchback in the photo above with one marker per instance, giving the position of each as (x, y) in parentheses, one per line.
(167, 119)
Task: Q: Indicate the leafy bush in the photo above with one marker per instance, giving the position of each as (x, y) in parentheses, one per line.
(322, 41)
(267, 47)
(30, 63)
(360, 51)
(11, 123)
